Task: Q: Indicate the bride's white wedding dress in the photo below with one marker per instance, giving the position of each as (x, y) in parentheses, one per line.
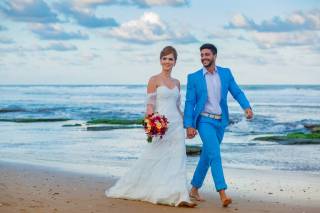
(159, 175)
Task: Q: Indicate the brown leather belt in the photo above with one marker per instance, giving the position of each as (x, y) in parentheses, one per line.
(214, 116)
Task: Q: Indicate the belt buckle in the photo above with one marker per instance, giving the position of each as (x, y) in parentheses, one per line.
(213, 116)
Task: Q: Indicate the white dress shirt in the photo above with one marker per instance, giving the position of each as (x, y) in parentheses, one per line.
(214, 92)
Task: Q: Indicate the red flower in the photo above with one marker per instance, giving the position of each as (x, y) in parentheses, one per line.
(155, 125)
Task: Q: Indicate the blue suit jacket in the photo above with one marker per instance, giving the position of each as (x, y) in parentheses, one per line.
(197, 96)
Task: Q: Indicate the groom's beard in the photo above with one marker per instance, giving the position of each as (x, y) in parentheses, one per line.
(208, 65)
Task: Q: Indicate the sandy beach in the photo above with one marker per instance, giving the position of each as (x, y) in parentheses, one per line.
(29, 188)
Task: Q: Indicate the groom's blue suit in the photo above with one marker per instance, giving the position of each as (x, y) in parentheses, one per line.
(210, 130)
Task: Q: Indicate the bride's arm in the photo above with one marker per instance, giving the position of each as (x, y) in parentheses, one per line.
(151, 96)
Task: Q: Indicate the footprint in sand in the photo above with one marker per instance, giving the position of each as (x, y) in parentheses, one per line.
(5, 204)
(3, 186)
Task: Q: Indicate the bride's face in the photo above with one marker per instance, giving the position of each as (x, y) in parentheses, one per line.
(167, 62)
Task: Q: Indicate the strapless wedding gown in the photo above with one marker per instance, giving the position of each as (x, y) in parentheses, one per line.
(159, 175)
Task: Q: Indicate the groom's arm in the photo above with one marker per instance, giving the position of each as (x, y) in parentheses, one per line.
(238, 94)
(189, 104)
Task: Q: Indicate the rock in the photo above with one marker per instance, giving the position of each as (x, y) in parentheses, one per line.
(193, 150)
(7, 110)
(297, 138)
(301, 135)
(293, 139)
(71, 125)
(270, 138)
(314, 128)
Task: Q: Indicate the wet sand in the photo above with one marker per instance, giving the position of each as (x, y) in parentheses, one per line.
(28, 188)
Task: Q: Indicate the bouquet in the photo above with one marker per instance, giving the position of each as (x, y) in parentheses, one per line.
(155, 125)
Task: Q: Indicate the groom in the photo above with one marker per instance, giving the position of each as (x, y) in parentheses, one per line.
(206, 110)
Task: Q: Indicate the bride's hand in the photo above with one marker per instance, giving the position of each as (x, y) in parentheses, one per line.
(149, 110)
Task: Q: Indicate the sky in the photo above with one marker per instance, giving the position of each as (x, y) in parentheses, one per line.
(119, 41)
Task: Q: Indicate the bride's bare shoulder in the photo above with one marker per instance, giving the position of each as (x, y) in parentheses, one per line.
(177, 82)
(154, 79)
(152, 84)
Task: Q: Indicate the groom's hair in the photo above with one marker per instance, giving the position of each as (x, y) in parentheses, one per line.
(168, 50)
(210, 47)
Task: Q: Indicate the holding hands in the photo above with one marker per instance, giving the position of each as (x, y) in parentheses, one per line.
(191, 132)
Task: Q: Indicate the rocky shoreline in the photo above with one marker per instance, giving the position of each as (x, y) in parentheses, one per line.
(311, 136)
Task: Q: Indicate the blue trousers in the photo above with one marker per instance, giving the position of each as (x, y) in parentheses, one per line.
(211, 133)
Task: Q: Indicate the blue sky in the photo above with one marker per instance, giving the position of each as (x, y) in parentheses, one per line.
(118, 41)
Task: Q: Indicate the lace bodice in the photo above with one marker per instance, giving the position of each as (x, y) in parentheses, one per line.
(166, 102)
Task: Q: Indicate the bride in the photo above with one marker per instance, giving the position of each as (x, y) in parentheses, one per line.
(159, 176)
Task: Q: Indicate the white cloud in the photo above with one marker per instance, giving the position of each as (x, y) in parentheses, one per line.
(162, 2)
(296, 21)
(6, 40)
(83, 15)
(88, 56)
(139, 3)
(269, 40)
(59, 47)
(56, 32)
(300, 28)
(149, 28)
(240, 21)
(28, 11)
(3, 28)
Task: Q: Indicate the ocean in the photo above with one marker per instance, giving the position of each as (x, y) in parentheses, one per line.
(278, 110)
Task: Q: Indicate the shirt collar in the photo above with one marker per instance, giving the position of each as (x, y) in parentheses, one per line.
(205, 71)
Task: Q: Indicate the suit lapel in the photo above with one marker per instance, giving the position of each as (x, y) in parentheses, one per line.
(203, 82)
(221, 81)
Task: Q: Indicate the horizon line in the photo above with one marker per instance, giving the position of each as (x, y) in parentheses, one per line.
(140, 84)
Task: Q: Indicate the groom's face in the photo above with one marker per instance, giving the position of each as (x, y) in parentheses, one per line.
(207, 57)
